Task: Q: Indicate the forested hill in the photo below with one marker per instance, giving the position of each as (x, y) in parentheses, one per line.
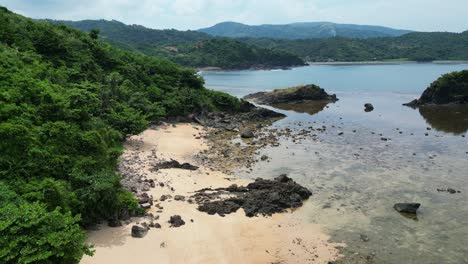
(67, 101)
(416, 46)
(188, 48)
(306, 30)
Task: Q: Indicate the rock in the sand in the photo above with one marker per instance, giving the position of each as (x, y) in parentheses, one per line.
(176, 221)
(114, 223)
(262, 197)
(247, 134)
(179, 198)
(139, 231)
(173, 164)
(368, 107)
(407, 208)
(264, 157)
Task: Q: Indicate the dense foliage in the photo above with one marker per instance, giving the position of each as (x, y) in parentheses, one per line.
(305, 30)
(450, 88)
(412, 46)
(66, 103)
(189, 48)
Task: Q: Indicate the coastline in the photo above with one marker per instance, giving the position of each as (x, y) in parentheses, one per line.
(285, 238)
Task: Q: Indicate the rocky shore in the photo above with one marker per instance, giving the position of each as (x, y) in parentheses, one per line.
(178, 173)
(296, 94)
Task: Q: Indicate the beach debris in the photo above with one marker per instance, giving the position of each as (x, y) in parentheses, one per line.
(407, 208)
(139, 231)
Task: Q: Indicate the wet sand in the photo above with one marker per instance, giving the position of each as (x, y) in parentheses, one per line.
(282, 238)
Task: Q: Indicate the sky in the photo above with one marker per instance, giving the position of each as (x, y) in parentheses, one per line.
(420, 15)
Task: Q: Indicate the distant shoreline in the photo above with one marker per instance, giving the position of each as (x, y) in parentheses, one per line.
(386, 62)
(334, 63)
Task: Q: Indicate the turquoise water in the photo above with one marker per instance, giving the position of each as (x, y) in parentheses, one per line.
(356, 177)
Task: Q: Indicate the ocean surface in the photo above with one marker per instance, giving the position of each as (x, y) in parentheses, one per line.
(355, 176)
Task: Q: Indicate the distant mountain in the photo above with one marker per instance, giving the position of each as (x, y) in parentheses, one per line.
(188, 48)
(417, 46)
(301, 31)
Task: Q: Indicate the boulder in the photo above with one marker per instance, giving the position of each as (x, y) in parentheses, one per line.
(176, 221)
(247, 134)
(139, 231)
(407, 208)
(368, 107)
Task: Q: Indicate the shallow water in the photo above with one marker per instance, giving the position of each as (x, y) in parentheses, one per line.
(357, 177)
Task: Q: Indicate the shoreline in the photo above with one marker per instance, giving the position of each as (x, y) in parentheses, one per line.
(235, 238)
(334, 63)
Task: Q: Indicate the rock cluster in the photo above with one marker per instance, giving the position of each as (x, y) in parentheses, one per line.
(261, 197)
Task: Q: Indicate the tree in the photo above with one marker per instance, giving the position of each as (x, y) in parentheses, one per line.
(94, 33)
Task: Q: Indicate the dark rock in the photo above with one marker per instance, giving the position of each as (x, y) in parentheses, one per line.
(264, 197)
(407, 208)
(291, 95)
(364, 238)
(264, 157)
(165, 197)
(139, 231)
(173, 164)
(247, 134)
(176, 221)
(179, 198)
(368, 107)
(114, 223)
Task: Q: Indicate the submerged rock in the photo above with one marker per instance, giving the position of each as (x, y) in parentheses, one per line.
(407, 208)
(261, 197)
(139, 231)
(368, 107)
(292, 95)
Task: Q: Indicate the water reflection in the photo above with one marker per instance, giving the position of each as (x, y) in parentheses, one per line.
(449, 119)
(309, 107)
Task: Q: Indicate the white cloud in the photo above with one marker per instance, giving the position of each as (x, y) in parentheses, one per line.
(427, 15)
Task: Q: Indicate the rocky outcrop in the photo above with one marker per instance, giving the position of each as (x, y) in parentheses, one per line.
(451, 88)
(292, 95)
(261, 197)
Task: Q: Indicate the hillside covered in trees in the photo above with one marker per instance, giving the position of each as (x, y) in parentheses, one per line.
(67, 101)
(304, 30)
(416, 46)
(188, 48)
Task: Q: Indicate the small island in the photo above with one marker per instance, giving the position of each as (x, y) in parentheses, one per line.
(451, 88)
(297, 94)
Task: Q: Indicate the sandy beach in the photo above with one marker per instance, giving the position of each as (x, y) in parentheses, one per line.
(235, 238)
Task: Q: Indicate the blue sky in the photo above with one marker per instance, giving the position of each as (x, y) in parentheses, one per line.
(423, 15)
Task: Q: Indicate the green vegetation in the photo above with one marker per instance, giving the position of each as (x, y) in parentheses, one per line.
(306, 30)
(189, 48)
(450, 88)
(412, 46)
(67, 101)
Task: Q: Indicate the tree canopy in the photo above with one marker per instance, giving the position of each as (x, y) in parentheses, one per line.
(67, 101)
